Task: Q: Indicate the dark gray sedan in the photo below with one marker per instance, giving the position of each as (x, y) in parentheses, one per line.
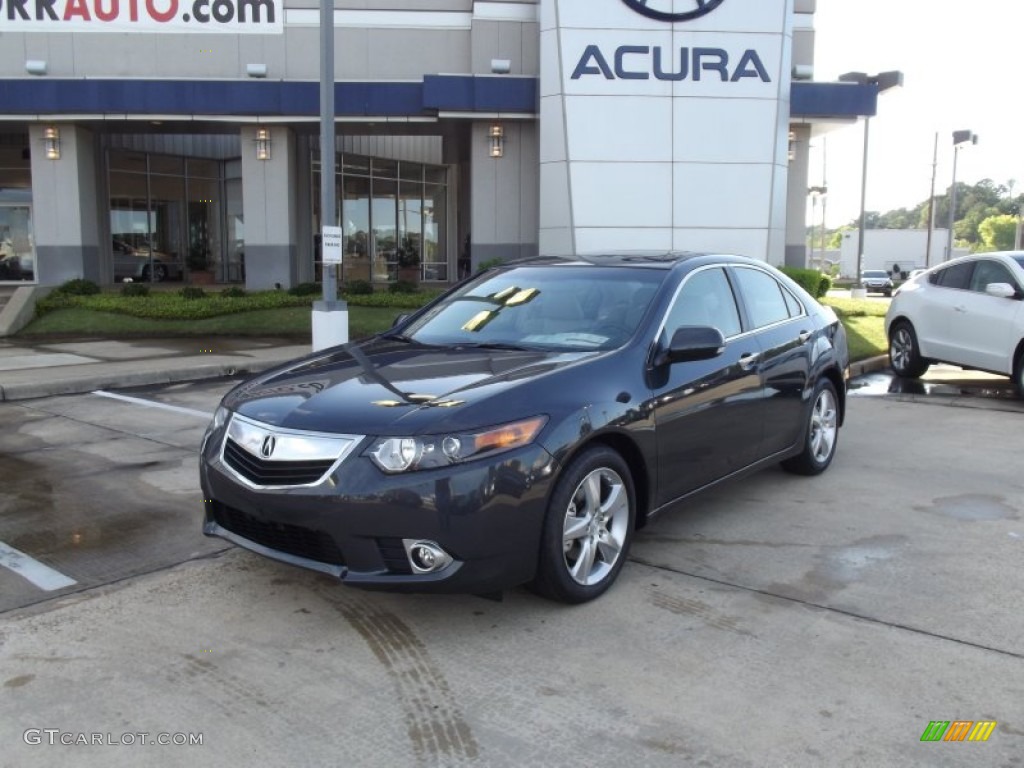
(521, 427)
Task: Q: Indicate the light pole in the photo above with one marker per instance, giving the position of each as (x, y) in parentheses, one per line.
(959, 139)
(883, 81)
(817, 193)
(330, 316)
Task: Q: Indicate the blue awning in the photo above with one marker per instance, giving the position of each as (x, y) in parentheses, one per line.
(435, 93)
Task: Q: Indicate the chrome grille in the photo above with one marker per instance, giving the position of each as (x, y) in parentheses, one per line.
(269, 473)
(264, 456)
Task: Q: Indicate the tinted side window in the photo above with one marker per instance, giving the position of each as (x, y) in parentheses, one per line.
(986, 272)
(957, 276)
(705, 299)
(763, 297)
(796, 309)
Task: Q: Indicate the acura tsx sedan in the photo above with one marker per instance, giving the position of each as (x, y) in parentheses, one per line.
(522, 426)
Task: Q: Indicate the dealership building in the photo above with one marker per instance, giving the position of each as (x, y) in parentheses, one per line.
(179, 139)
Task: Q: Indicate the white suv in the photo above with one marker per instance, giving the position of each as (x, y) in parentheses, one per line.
(968, 312)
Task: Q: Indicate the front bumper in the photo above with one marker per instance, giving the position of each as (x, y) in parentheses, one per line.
(486, 514)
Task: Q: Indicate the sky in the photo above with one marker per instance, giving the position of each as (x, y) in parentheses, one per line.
(963, 65)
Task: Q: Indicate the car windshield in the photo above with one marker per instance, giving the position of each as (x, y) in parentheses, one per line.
(874, 273)
(552, 307)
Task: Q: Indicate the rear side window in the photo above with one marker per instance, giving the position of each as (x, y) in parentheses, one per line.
(763, 297)
(956, 276)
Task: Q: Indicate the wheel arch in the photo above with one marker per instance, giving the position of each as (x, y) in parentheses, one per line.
(833, 374)
(630, 452)
(1018, 360)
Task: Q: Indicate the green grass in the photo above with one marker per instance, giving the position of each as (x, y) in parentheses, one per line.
(865, 325)
(285, 321)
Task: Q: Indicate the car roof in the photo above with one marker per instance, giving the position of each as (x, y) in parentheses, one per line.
(649, 259)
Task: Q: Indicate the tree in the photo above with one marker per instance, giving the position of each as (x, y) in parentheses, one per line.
(998, 232)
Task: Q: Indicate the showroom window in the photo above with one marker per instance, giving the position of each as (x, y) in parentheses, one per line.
(17, 248)
(393, 215)
(168, 219)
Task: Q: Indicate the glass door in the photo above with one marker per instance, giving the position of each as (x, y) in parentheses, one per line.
(17, 251)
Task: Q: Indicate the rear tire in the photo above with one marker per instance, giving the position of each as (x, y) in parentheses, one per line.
(904, 353)
(588, 528)
(822, 433)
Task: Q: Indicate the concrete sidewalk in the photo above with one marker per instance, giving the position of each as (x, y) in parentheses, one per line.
(31, 369)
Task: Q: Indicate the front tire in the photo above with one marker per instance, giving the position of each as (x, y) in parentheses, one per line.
(904, 353)
(1018, 375)
(822, 433)
(588, 528)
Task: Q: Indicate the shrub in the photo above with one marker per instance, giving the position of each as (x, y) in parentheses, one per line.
(358, 288)
(811, 280)
(135, 289)
(306, 289)
(192, 292)
(403, 286)
(78, 287)
(234, 292)
(483, 266)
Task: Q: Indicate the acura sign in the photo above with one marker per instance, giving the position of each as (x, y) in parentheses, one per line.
(667, 10)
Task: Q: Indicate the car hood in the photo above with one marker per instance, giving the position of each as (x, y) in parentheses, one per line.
(391, 387)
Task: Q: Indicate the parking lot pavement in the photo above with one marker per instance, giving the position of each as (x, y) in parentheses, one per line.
(944, 385)
(779, 621)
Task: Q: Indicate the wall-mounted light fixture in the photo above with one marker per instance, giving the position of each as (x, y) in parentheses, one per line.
(256, 69)
(501, 66)
(497, 136)
(35, 66)
(262, 143)
(51, 142)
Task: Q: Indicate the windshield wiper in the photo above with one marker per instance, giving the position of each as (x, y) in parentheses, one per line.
(493, 345)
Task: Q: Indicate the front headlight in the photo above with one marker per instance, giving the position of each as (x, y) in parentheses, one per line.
(220, 416)
(407, 454)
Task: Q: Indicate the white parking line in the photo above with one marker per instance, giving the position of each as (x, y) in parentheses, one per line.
(43, 576)
(154, 404)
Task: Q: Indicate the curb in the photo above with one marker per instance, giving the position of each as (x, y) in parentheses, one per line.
(83, 384)
(869, 365)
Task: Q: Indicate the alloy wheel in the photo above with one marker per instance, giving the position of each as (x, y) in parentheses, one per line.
(902, 349)
(824, 425)
(596, 526)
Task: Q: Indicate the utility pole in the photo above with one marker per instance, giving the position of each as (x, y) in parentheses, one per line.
(824, 198)
(931, 205)
(1017, 244)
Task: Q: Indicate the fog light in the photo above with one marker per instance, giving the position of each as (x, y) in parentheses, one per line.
(426, 556)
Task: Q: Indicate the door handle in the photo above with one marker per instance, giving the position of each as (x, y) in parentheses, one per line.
(804, 336)
(747, 361)
(961, 308)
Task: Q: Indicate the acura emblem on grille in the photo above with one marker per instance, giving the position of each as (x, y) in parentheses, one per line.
(267, 449)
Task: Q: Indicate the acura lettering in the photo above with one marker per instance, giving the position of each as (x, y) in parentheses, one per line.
(642, 62)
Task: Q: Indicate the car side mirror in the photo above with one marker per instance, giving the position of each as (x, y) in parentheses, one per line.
(693, 342)
(399, 320)
(1001, 290)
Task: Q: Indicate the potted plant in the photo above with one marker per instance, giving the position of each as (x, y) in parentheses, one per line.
(408, 256)
(199, 266)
